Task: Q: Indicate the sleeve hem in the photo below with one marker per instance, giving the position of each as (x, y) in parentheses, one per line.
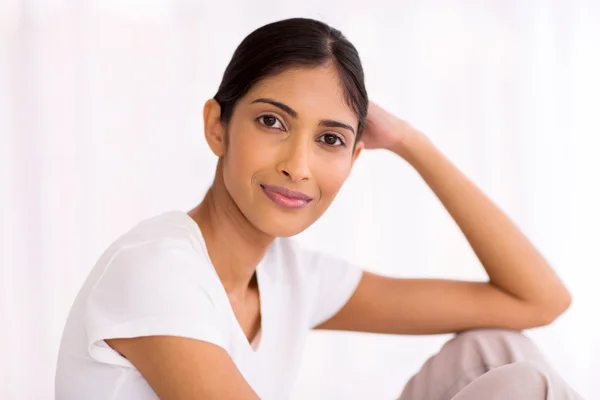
(151, 326)
(348, 291)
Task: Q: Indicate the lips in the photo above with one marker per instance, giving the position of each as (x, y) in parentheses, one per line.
(286, 198)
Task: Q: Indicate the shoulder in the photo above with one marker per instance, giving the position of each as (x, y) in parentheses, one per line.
(300, 260)
(167, 231)
(322, 281)
(160, 252)
(154, 280)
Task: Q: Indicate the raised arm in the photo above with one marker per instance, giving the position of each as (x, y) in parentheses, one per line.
(523, 291)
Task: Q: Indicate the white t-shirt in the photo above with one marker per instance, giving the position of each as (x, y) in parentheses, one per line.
(157, 279)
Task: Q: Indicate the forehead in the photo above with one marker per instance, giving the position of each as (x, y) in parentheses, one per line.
(312, 92)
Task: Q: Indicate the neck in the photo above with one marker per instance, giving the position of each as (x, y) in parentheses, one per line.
(225, 228)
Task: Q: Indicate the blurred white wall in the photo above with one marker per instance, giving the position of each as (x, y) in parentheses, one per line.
(101, 126)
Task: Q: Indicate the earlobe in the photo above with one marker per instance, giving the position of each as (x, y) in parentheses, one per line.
(357, 150)
(213, 128)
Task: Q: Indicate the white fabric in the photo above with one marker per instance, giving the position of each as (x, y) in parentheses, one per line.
(157, 279)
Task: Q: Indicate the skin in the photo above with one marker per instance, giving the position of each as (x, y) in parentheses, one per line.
(297, 153)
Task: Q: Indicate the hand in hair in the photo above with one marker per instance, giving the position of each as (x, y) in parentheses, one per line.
(384, 130)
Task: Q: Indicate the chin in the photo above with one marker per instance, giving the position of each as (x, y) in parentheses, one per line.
(278, 226)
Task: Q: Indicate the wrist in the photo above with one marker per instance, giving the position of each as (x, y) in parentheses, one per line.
(409, 146)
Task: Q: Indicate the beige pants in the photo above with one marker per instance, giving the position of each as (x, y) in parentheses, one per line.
(488, 365)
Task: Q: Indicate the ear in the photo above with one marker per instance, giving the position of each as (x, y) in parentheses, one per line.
(357, 150)
(213, 128)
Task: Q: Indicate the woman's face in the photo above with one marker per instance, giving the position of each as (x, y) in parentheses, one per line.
(289, 149)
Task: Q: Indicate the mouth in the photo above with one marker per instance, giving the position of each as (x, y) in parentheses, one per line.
(286, 198)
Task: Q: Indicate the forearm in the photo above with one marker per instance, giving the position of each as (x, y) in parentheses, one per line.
(511, 261)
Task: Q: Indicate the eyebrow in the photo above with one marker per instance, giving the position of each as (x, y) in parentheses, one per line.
(289, 110)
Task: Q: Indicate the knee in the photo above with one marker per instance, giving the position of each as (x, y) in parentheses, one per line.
(526, 368)
(521, 374)
(489, 335)
(520, 380)
(495, 347)
(492, 339)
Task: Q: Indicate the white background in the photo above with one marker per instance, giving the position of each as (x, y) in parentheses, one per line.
(101, 126)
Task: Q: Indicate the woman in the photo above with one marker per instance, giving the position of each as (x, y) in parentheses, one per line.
(216, 303)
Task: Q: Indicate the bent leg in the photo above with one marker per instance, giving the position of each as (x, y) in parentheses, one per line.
(465, 358)
(523, 380)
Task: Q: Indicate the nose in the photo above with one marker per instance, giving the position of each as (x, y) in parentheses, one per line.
(294, 163)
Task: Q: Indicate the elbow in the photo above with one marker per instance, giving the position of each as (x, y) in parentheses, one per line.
(554, 308)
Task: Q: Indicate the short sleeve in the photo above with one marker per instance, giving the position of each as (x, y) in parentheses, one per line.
(156, 288)
(334, 281)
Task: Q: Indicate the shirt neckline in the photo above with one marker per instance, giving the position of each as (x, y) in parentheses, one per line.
(257, 344)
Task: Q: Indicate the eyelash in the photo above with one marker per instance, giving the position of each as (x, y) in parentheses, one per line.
(342, 143)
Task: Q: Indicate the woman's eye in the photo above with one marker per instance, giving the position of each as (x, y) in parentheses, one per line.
(270, 121)
(332, 140)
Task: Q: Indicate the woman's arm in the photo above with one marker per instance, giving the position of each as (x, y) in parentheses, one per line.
(523, 290)
(510, 260)
(179, 368)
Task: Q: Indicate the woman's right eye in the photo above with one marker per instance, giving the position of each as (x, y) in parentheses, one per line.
(270, 121)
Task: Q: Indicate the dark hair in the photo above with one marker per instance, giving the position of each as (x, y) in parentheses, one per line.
(295, 42)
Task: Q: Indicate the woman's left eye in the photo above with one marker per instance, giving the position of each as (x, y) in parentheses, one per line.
(332, 140)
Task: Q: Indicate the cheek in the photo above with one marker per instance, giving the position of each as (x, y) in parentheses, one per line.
(240, 159)
(331, 178)
(246, 155)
